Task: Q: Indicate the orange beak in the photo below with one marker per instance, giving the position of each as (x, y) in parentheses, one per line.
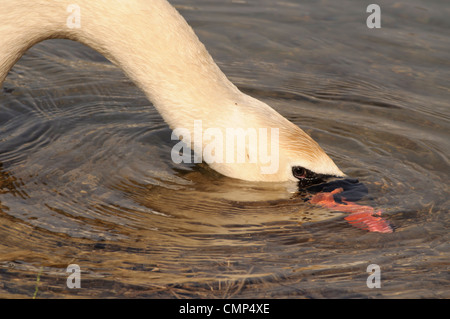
(363, 217)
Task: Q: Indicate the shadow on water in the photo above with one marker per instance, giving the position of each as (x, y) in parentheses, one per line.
(86, 175)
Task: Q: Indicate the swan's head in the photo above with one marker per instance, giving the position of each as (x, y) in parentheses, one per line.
(310, 165)
(304, 160)
(276, 150)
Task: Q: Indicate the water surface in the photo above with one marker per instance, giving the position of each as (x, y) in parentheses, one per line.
(86, 175)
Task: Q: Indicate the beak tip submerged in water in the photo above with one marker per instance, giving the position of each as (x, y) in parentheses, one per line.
(340, 195)
(352, 189)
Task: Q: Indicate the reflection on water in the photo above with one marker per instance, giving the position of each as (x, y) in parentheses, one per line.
(86, 175)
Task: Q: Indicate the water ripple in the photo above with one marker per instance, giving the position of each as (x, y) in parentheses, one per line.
(86, 175)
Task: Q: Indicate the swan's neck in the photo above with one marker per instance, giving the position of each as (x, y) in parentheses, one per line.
(158, 50)
(149, 40)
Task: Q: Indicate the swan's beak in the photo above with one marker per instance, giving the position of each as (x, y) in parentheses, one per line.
(353, 190)
(340, 196)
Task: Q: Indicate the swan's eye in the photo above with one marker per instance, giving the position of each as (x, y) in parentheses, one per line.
(307, 178)
(299, 172)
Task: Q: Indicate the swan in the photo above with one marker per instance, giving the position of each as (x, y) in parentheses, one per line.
(157, 49)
